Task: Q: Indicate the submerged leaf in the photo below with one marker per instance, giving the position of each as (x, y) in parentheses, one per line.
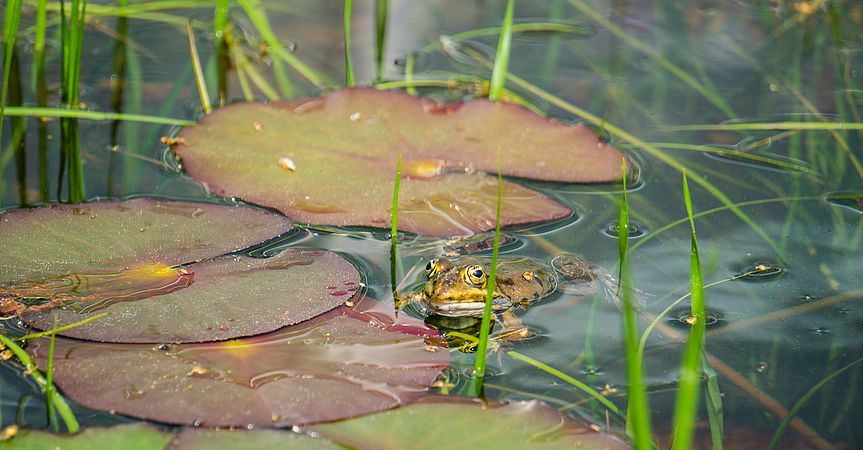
(344, 148)
(348, 362)
(467, 424)
(231, 296)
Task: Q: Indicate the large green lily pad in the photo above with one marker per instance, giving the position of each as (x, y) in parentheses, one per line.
(153, 267)
(345, 363)
(136, 436)
(447, 423)
(231, 296)
(332, 160)
(209, 439)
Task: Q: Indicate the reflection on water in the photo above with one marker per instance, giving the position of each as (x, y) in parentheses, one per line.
(791, 221)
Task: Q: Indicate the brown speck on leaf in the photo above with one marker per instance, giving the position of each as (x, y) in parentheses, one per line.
(198, 370)
(258, 126)
(349, 303)
(6, 355)
(169, 141)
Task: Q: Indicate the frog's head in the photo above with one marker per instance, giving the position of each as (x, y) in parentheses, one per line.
(459, 290)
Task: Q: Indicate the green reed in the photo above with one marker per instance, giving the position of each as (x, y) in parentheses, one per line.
(381, 15)
(199, 72)
(56, 401)
(72, 37)
(501, 59)
(11, 18)
(638, 411)
(94, 115)
(41, 88)
(349, 67)
(220, 22)
(686, 407)
(395, 262)
(485, 326)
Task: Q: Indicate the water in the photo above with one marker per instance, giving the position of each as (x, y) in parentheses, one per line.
(777, 333)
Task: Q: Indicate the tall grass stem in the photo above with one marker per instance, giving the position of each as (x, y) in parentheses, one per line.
(199, 72)
(485, 326)
(501, 59)
(686, 405)
(349, 67)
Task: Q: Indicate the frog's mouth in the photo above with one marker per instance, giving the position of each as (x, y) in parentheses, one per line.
(469, 309)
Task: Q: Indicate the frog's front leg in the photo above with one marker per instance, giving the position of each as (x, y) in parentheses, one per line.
(512, 328)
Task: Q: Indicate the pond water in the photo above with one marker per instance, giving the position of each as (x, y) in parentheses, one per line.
(784, 201)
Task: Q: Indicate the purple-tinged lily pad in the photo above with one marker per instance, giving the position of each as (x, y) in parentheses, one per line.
(438, 422)
(231, 296)
(136, 436)
(210, 439)
(345, 363)
(91, 237)
(332, 160)
(153, 267)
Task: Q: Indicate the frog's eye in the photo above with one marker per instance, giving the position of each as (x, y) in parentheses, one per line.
(475, 275)
(432, 268)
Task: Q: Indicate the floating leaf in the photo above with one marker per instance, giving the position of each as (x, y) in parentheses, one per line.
(231, 296)
(55, 240)
(204, 439)
(344, 148)
(348, 362)
(428, 424)
(124, 258)
(137, 436)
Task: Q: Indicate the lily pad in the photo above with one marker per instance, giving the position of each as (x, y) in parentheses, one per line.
(204, 439)
(231, 296)
(137, 436)
(332, 160)
(153, 267)
(467, 425)
(345, 363)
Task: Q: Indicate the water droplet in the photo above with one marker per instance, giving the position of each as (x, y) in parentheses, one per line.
(164, 347)
(821, 330)
(761, 367)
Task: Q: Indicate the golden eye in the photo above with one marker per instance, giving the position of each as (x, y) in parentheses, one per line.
(475, 275)
(432, 268)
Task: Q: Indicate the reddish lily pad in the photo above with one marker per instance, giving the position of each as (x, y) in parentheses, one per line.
(231, 296)
(153, 267)
(463, 424)
(331, 160)
(345, 363)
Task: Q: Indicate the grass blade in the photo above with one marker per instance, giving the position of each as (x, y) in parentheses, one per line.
(94, 115)
(199, 72)
(349, 67)
(49, 382)
(501, 60)
(713, 402)
(381, 15)
(29, 368)
(638, 412)
(395, 262)
(485, 327)
(11, 19)
(686, 406)
(220, 22)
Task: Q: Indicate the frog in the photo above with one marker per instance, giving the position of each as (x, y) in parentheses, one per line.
(456, 287)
